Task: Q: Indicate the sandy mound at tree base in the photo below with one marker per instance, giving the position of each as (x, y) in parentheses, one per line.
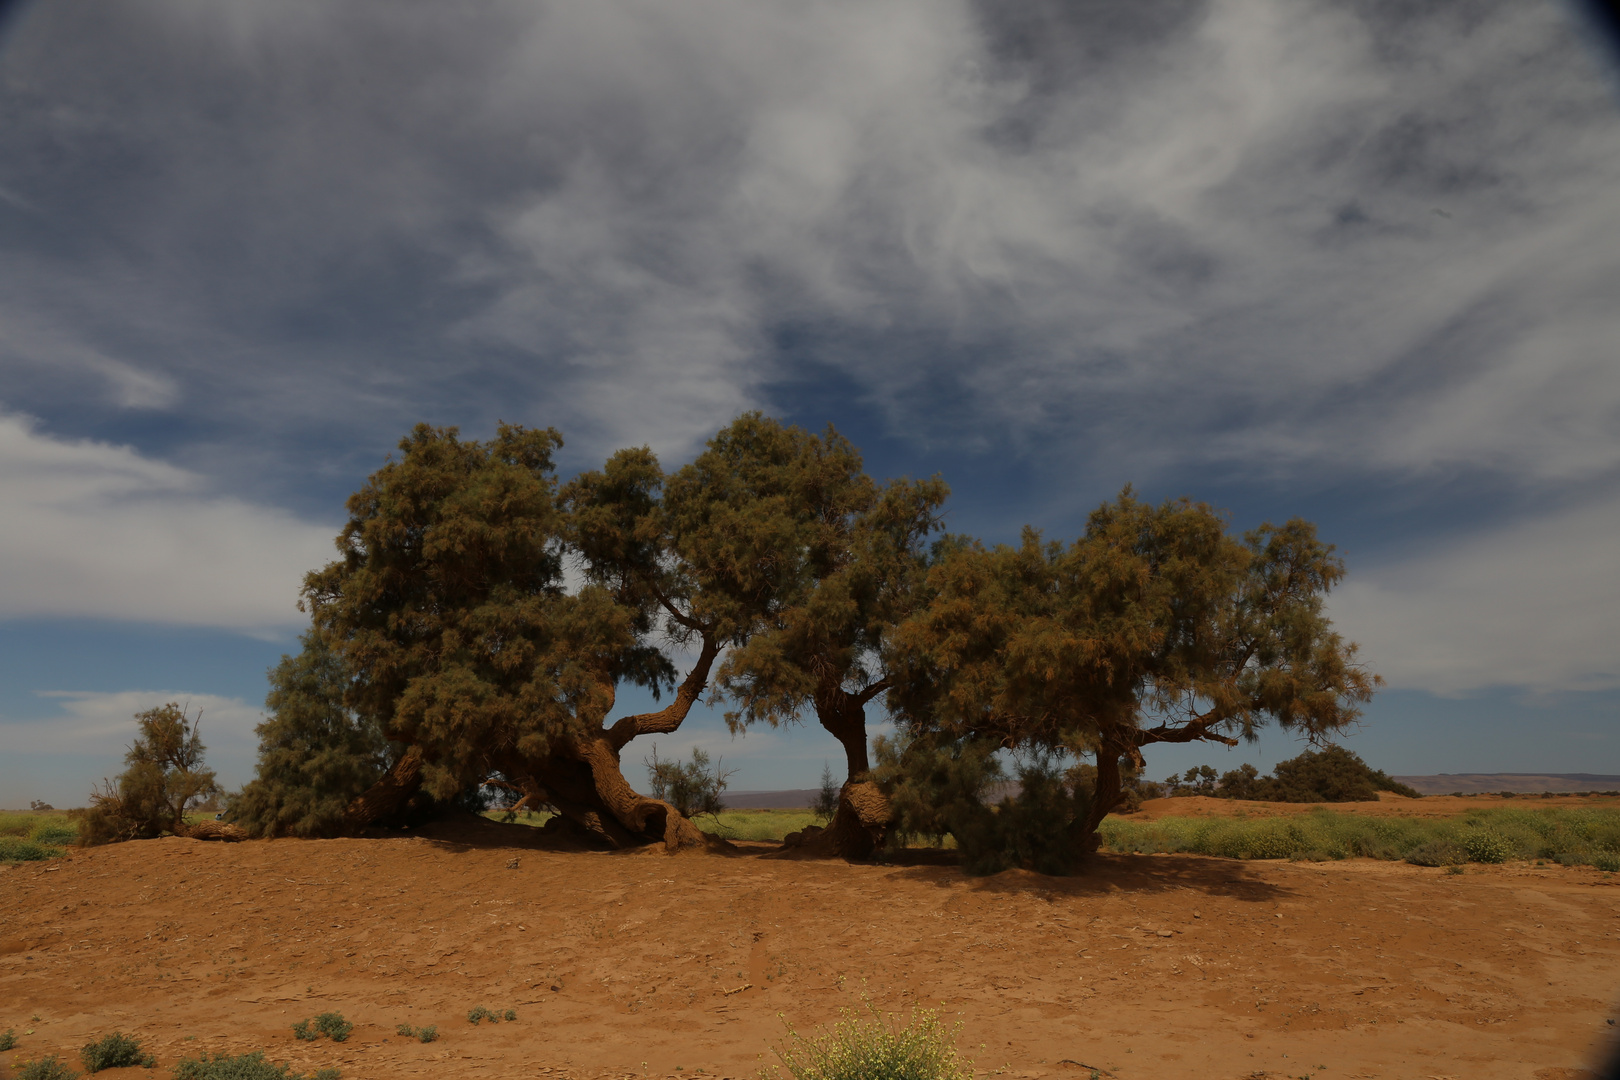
(1151, 967)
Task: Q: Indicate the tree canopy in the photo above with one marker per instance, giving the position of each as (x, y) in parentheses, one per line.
(1154, 626)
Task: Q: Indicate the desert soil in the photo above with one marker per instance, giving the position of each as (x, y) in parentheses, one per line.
(1155, 967)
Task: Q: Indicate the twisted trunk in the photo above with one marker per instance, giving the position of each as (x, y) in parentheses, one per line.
(582, 778)
(861, 822)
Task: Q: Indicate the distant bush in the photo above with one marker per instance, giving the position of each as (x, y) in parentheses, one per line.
(165, 775)
(826, 804)
(692, 788)
(116, 1051)
(45, 1068)
(1332, 774)
(874, 1047)
(426, 1034)
(251, 1066)
(8, 1039)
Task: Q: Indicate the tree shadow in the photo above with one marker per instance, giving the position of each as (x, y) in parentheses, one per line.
(1110, 874)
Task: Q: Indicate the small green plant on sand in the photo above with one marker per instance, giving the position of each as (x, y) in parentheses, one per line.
(481, 1013)
(425, 1034)
(330, 1024)
(866, 1045)
(244, 1067)
(116, 1051)
(8, 1038)
(45, 1068)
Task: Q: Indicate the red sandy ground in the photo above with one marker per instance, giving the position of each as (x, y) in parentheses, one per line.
(647, 965)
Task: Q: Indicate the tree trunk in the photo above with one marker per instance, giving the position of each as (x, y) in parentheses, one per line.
(1108, 793)
(388, 796)
(861, 823)
(585, 784)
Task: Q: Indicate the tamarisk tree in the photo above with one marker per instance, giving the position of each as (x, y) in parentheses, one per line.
(844, 558)
(449, 613)
(1155, 626)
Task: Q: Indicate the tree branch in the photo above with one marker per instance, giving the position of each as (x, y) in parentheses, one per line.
(670, 717)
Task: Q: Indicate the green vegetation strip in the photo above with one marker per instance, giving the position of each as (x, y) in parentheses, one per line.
(32, 837)
(1573, 837)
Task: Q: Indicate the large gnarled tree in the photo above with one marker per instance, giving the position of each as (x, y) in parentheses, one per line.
(449, 613)
(1155, 626)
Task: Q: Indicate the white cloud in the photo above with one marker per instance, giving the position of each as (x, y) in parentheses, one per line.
(105, 722)
(57, 759)
(1533, 606)
(88, 529)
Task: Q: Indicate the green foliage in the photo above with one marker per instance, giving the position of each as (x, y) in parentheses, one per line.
(1155, 625)
(44, 829)
(1332, 774)
(165, 775)
(115, 1051)
(50, 1067)
(692, 787)
(16, 849)
(8, 1039)
(1572, 837)
(426, 1034)
(1486, 846)
(940, 786)
(873, 1047)
(250, 1066)
(315, 756)
(783, 514)
(330, 1024)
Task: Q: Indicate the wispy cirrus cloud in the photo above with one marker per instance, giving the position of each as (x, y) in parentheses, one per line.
(1291, 245)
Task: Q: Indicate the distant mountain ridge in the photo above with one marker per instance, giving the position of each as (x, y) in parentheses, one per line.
(1468, 783)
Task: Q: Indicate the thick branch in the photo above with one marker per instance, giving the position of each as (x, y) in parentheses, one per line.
(1193, 732)
(872, 691)
(671, 716)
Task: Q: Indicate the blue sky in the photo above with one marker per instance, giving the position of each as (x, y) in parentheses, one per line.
(1355, 261)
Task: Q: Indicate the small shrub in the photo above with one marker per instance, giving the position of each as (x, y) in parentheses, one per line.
(8, 1038)
(16, 849)
(509, 1015)
(251, 1066)
(333, 1026)
(1485, 846)
(1606, 860)
(404, 1029)
(481, 1013)
(427, 1034)
(330, 1024)
(874, 1046)
(692, 788)
(45, 1068)
(116, 1051)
